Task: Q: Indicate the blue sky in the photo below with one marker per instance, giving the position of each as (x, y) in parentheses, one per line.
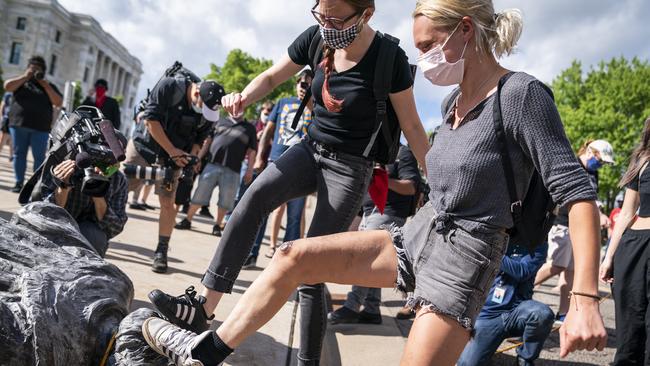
(201, 32)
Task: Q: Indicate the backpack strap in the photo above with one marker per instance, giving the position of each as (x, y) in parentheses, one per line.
(497, 117)
(315, 56)
(382, 86)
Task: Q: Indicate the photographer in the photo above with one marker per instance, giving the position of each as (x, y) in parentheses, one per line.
(31, 114)
(171, 136)
(99, 218)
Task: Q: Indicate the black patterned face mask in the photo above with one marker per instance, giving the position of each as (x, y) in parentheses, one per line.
(339, 39)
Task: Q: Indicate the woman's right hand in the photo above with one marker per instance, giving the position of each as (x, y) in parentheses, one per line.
(234, 104)
(606, 274)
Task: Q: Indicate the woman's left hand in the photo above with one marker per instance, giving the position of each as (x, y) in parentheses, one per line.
(583, 328)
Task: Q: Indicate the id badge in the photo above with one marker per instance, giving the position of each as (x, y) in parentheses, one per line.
(498, 295)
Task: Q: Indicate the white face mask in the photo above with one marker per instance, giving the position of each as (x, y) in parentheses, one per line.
(438, 70)
(196, 108)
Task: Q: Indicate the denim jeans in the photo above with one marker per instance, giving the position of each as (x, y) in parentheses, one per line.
(214, 175)
(531, 320)
(340, 181)
(369, 297)
(22, 138)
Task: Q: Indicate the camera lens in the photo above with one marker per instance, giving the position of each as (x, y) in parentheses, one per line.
(39, 75)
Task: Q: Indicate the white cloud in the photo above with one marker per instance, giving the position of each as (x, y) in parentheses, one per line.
(201, 32)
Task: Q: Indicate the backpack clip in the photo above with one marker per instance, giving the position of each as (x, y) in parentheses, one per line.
(515, 207)
(382, 107)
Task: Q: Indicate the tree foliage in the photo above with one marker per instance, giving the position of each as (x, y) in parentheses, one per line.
(2, 83)
(609, 102)
(78, 96)
(240, 69)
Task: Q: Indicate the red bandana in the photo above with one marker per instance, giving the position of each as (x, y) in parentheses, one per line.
(378, 188)
(100, 96)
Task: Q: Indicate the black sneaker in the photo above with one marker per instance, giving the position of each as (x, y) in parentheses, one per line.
(17, 188)
(137, 206)
(159, 264)
(343, 316)
(147, 207)
(185, 310)
(251, 262)
(184, 225)
(369, 318)
(216, 230)
(205, 212)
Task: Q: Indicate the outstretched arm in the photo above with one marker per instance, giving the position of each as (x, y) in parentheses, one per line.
(262, 85)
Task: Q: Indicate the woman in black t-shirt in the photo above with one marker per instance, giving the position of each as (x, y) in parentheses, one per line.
(330, 161)
(626, 261)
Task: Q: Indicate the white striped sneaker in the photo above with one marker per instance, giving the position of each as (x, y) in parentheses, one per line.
(185, 310)
(171, 341)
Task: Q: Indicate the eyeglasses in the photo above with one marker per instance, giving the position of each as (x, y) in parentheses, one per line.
(336, 23)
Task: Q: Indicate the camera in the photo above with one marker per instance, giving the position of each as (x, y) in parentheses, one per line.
(39, 75)
(90, 140)
(149, 172)
(163, 174)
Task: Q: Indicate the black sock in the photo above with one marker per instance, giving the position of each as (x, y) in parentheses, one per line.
(211, 350)
(163, 243)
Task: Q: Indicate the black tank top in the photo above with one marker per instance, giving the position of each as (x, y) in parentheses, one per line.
(642, 185)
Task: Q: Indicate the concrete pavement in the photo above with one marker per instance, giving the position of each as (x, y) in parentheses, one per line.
(344, 344)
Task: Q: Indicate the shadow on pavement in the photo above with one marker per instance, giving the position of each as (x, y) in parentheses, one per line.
(148, 253)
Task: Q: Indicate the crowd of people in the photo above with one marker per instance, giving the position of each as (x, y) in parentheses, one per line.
(435, 218)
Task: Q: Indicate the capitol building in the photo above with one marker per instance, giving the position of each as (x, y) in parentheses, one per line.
(75, 47)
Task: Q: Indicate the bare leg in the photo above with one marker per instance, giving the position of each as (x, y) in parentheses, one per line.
(221, 213)
(276, 221)
(136, 194)
(167, 216)
(146, 191)
(565, 288)
(365, 258)
(547, 271)
(434, 340)
(191, 211)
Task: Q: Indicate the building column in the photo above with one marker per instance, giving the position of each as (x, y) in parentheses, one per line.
(120, 82)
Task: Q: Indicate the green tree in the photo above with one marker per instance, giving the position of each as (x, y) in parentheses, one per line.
(78, 96)
(609, 102)
(2, 83)
(239, 69)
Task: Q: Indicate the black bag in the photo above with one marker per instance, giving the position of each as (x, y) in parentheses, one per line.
(534, 216)
(384, 150)
(146, 146)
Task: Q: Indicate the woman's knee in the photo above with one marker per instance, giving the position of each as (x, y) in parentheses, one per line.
(294, 260)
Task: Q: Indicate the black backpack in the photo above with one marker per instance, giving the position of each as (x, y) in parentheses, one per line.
(178, 72)
(385, 149)
(534, 216)
(146, 146)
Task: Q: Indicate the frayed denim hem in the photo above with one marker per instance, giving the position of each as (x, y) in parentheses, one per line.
(405, 281)
(417, 303)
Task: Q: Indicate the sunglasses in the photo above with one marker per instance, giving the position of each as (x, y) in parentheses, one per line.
(336, 23)
(303, 85)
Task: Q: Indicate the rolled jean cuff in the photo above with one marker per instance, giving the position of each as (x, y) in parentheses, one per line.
(217, 282)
